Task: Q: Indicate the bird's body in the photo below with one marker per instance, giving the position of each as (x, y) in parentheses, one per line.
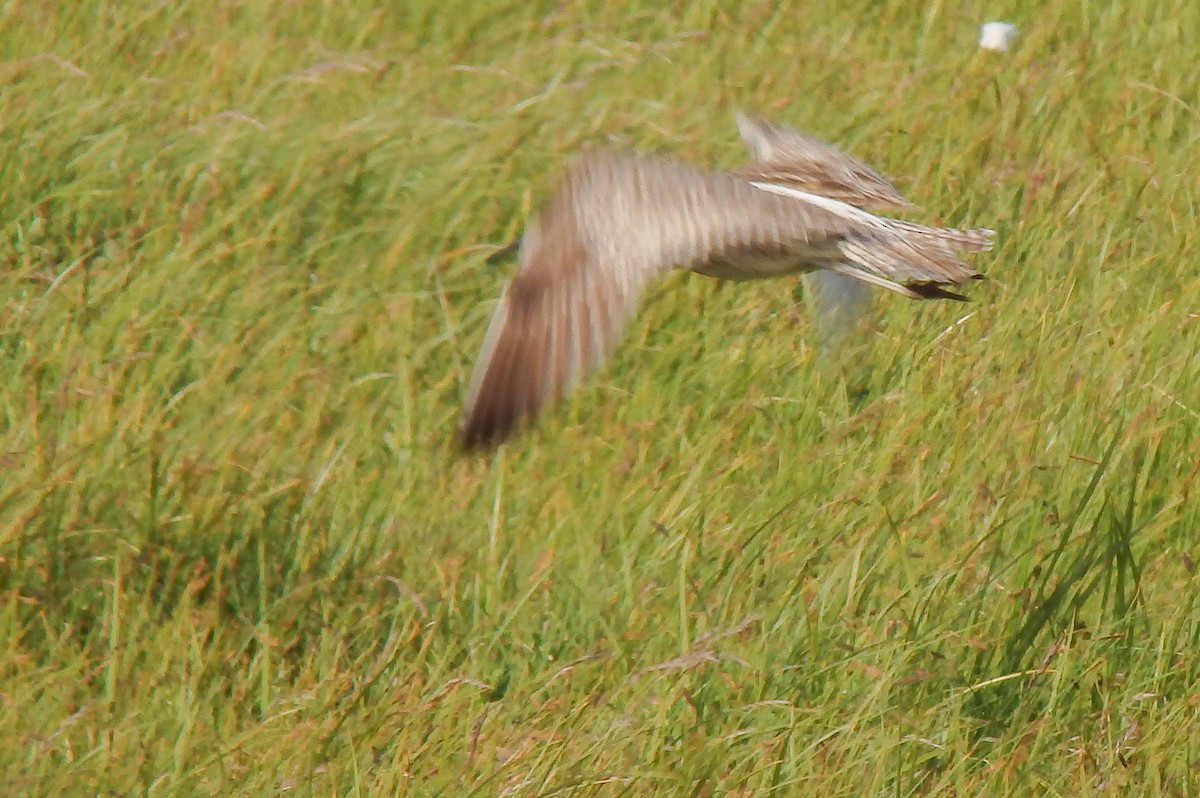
(618, 221)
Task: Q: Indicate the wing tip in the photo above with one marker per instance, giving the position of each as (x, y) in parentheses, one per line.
(497, 413)
(473, 438)
(934, 291)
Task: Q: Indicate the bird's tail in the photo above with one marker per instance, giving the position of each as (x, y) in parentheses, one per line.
(913, 260)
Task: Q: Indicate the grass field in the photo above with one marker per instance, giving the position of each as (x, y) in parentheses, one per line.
(243, 286)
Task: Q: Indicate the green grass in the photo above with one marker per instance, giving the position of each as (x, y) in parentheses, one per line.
(243, 285)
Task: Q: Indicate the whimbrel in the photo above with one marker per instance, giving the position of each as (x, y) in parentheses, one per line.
(617, 221)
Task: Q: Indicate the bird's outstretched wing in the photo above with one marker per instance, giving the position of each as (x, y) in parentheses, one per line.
(787, 157)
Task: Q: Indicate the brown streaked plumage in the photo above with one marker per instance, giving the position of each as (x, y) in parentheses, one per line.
(787, 157)
(618, 221)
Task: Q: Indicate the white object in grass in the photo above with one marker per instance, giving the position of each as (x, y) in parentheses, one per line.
(997, 35)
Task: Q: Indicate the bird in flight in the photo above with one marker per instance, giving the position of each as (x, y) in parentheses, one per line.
(617, 221)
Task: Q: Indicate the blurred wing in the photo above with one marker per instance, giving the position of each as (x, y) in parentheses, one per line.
(555, 321)
(787, 157)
